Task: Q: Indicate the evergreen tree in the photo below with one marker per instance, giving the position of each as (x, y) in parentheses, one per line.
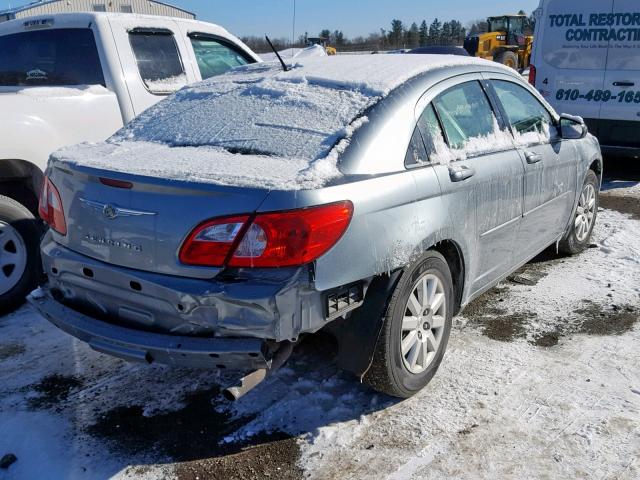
(424, 33)
(413, 36)
(446, 34)
(396, 33)
(326, 33)
(435, 30)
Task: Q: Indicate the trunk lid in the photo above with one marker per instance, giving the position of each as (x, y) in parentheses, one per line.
(141, 227)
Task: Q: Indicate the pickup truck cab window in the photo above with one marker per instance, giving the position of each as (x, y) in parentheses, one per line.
(215, 56)
(524, 112)
(60, 57)
(158, 60)
(465, 113)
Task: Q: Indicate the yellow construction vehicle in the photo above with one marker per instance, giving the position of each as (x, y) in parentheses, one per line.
(323, 42)
(505, 42)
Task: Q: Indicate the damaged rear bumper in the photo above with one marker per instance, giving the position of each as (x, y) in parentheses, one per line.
(141, 346)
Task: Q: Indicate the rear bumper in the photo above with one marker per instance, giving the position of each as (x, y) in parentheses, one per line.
(139, 346)
(274, 305)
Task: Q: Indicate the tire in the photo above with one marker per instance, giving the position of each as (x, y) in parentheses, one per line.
(391, 371)
(507, 58)
(20, 270)
(578, 235)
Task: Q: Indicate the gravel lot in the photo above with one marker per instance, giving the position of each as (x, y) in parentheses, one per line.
(541, 380)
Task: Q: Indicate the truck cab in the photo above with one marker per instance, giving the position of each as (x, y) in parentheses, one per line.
(79, 77)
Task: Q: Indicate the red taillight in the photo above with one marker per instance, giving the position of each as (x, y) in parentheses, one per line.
(50, 207)
(110, 182)
(532, 75)
(279, 239)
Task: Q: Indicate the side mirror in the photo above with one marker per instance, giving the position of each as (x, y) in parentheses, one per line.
(572, 127)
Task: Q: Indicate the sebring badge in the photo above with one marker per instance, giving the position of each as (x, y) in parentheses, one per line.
(111, 211)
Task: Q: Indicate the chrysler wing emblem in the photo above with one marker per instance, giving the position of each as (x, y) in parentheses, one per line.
(111, 211)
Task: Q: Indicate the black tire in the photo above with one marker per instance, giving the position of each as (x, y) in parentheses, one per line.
(388, 373)
(29, 230)
(508, 58)
(570, 243)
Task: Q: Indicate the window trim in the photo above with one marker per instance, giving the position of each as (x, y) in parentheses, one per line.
(154, 31)
(223, 41)
(503, 112)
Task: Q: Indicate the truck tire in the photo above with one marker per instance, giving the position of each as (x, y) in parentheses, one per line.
(20, 269)
(578, 234)
(415, 329)
(507, 58)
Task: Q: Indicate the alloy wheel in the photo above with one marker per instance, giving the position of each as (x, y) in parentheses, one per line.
(585, 212)
(423, 323)
(13, 257)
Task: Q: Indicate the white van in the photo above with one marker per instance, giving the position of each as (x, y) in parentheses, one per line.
(586, 61)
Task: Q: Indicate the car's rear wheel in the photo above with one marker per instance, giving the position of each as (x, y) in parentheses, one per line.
(415, 329)
(578, 235)
(19, 258)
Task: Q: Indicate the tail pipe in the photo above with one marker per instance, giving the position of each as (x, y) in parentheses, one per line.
(252, 380)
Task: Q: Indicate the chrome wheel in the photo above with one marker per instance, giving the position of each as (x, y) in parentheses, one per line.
(585, 212)
(13, 257)
(423, 323)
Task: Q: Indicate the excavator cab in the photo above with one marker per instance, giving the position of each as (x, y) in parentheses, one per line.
(505, 42)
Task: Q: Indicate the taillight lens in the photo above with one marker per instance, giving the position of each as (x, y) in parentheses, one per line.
(211, 242)
(50, 207)
(532, 75)
(278, 239)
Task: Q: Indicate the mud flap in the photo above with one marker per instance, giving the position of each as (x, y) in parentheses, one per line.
(357, 335)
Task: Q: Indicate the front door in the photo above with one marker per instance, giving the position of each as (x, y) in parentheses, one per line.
(550, 166)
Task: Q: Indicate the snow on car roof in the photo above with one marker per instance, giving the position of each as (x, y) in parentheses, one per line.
(258, 125)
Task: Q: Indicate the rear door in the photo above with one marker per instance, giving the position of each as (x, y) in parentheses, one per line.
(571, 55)
(480, 174)
(550, 165)
(620, 112)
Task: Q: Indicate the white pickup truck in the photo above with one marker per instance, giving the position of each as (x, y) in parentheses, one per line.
(71, 78)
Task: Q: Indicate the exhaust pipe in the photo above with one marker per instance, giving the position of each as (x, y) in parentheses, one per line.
(252, 380)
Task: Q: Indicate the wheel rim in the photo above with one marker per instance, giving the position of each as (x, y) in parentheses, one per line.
(13, 257)
(423, 323)
(585, 212)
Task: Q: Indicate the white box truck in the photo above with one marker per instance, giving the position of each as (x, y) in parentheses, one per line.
(586, 61)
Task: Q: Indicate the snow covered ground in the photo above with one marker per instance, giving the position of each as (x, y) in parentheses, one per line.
(541, 380)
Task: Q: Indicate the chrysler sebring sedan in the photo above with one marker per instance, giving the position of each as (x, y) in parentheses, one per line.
(372, 197)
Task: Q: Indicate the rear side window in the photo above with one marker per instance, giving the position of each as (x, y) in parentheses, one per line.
(525, 113)
(465, 113)
(216, 57)
(158, 60)
(61, 57)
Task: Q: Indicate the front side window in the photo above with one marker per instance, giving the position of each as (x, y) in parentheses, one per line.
(215, 57)
(467, 117)
(60, 57)
(158, 60)
(525, 113)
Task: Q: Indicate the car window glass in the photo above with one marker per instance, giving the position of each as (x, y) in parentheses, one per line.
(64, 56)
(214, 57)
(432, 134)
(525, 113)
(416, 153)
(466, 114)
(158, 60)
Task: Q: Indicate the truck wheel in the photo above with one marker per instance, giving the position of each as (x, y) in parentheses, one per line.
(415, 329)
(507, 58)
(578, 235)
(20, 235)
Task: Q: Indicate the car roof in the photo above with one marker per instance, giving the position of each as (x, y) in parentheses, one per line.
(440, 50)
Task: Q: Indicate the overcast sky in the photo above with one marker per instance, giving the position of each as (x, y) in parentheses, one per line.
(353, 17)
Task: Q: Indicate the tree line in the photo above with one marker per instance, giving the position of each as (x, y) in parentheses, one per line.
(398, 36)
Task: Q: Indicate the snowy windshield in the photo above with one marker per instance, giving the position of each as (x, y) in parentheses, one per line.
(254, 110)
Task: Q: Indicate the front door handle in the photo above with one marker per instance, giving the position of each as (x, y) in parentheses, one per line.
(532, 157)
(624, 84)
(459, 173)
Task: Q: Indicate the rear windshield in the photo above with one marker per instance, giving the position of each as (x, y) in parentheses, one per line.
(253, 110)
(61, 57)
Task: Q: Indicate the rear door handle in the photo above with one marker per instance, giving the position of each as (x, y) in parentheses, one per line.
(532, 157)
(459, 173)
(624, 84)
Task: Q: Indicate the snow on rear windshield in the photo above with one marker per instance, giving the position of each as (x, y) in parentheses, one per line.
(252, 111)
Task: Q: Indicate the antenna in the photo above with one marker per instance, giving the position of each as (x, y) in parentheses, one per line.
(284, 67)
